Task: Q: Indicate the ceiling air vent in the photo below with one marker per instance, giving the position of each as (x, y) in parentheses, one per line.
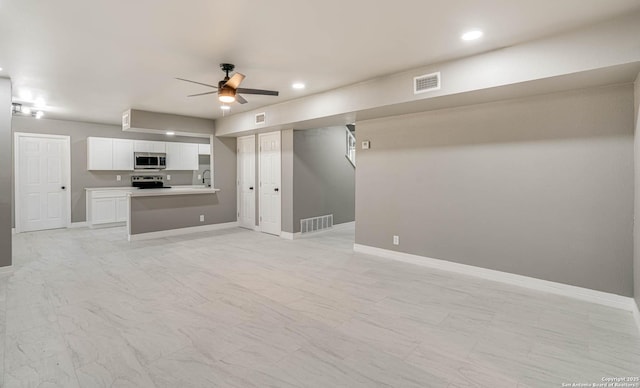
(426, 83)
(261, 118)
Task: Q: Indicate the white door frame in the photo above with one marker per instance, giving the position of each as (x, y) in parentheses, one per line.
(16, 174)
(238, 183)
(259, 155)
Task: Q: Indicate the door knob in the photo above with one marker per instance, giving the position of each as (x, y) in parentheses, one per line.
(64, 187)
(251, 188)
(276, 189)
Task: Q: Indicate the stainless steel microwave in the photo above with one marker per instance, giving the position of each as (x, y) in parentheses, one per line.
(149, 160)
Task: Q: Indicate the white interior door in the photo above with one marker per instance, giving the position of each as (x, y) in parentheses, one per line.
(269, 176)
(247, 181)
(42, 182)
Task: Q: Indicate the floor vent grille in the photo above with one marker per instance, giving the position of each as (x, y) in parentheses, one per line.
(316, 223)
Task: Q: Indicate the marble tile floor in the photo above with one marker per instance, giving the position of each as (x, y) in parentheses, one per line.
(236, 308)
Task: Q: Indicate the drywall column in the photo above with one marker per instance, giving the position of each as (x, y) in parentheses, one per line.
(6, 156)
(224, 175)
(287, 180)
(636, 230)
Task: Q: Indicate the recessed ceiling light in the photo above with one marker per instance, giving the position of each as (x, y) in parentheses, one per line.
(225, 107)
(170, 133)
(39, 114)
(471, 35)
(298, 85)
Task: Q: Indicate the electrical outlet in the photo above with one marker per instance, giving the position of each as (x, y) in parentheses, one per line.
(118, 178)
(199, 177)
(168, 177)
(201, 217)
(396, 240)
(366, 145)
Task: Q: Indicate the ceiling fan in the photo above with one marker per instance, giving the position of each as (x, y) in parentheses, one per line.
(228, 88)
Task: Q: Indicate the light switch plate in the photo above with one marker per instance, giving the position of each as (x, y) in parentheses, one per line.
(365, 145)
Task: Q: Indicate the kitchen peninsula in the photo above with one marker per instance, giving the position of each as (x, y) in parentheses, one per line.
(154, 213)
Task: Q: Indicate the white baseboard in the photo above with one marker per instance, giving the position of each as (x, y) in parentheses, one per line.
(586, 294)
(6, 270)
(181, 231)
(75, 225)
(636, 314)
(107, 225)
(289, 235)
(344, 225)
(13, 230)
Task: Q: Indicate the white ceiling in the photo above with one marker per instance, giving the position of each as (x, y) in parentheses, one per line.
(91, 60)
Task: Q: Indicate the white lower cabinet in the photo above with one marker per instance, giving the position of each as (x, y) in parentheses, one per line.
(122, 209)
(107, 207)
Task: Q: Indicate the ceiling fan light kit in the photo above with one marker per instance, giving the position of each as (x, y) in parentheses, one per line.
(229, 87)
(226, 95)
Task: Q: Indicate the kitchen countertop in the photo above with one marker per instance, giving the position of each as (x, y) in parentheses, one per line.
(173, 190)
(123, 188)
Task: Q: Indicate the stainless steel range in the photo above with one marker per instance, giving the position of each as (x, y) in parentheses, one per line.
(148, 182)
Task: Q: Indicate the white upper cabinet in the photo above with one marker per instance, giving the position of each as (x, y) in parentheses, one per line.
(99, 153)
(182, 156)
(190, 156)
(109, 154)
(117, 154)
(204, 149)
(174, 156)
(122, 154)
(149, 146)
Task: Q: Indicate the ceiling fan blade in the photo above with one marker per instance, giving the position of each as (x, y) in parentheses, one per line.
(240, 99)
(202, 94)
(235, 81)
(257, 91)
(199, 83)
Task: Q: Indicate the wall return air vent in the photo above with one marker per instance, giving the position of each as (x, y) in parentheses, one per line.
(126, 120)
(426, 83)
(261, 118)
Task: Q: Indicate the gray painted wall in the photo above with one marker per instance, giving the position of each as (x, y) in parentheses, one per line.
(152, 214)
(323, 178)
(6, 173)
(636, 231)
(80, 176)
(541, 186)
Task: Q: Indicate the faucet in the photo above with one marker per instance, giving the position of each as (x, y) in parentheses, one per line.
(203, 177)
